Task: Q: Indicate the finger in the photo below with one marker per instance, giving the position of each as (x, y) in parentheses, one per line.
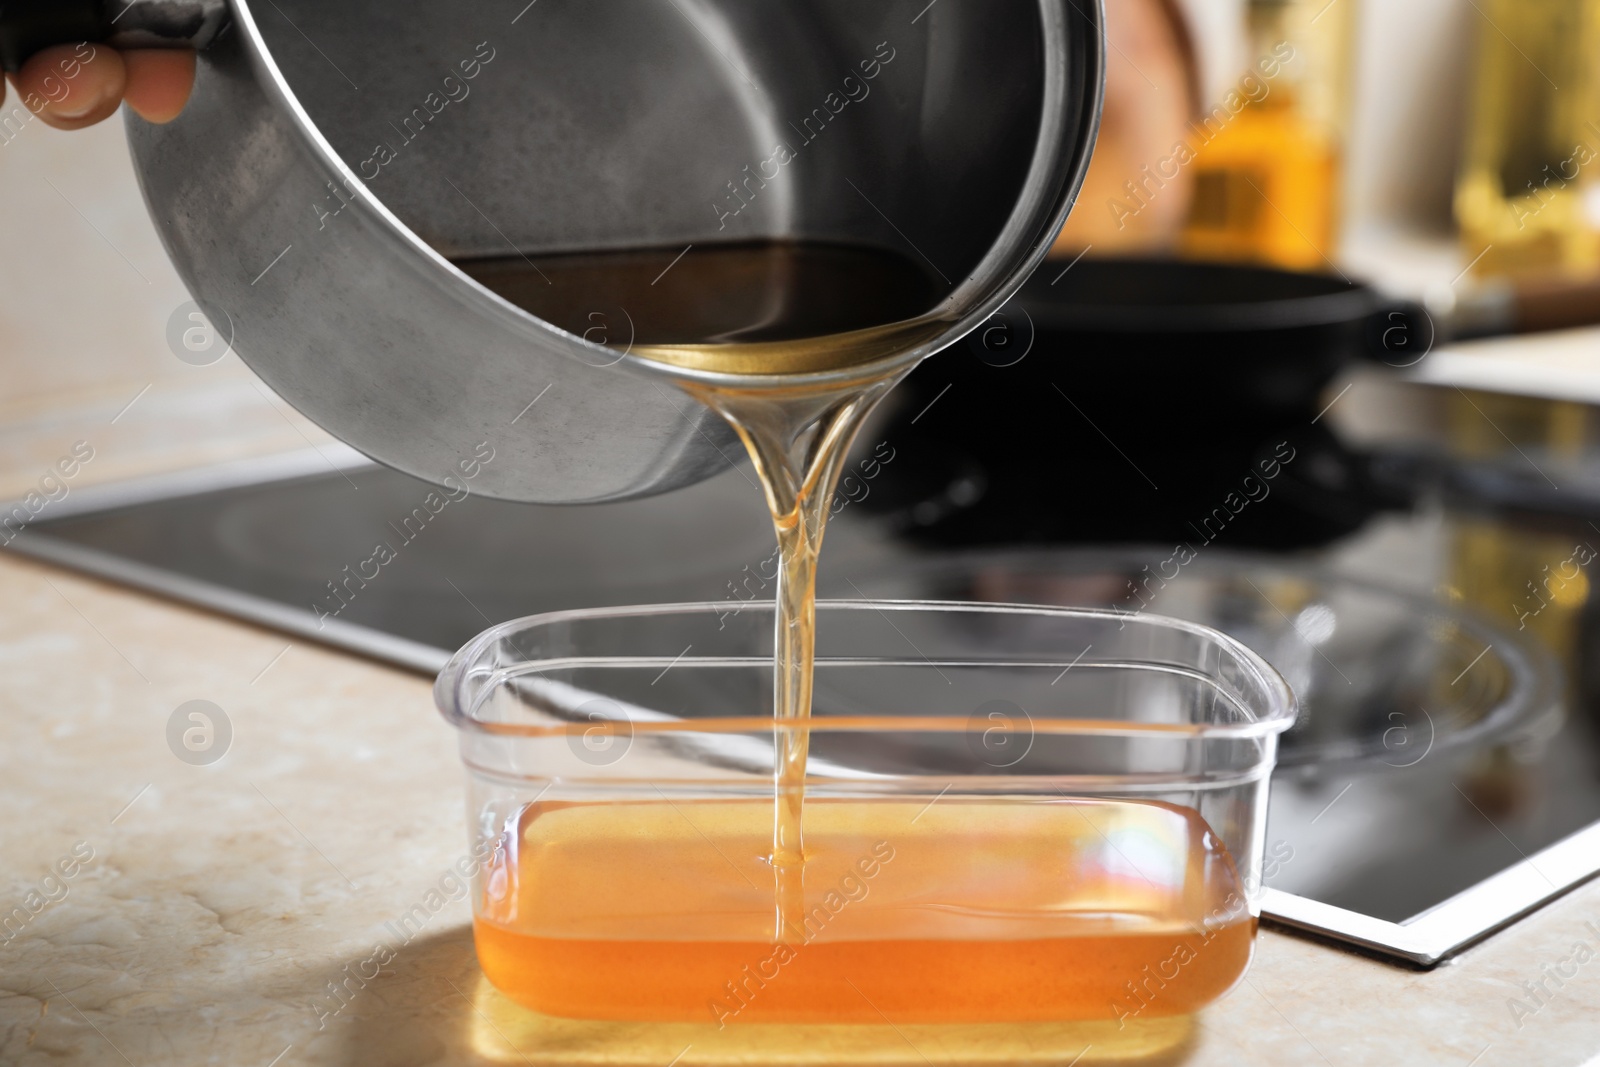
(72, 86)
(159, 82)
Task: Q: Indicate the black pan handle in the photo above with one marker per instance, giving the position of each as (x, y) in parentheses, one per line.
(26, 26)
(1400, 333)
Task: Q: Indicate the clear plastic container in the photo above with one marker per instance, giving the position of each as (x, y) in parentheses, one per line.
(1027, 830)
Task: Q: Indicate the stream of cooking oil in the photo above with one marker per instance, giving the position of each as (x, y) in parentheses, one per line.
(757, 314)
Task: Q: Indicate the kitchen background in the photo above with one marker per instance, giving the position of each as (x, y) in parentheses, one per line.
(1396, 132)
(1445, 151)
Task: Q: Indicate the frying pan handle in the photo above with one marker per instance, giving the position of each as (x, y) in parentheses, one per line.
(26, 26)
(1400, 334)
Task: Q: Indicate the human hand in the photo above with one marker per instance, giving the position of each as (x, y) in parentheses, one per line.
(73, 86)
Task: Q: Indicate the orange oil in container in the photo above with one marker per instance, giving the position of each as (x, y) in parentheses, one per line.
(988, 910)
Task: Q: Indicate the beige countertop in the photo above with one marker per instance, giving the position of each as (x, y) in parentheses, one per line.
(209, 907)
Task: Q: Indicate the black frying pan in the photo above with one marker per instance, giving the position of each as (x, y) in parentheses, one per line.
(1240, 339)
(1124, 400)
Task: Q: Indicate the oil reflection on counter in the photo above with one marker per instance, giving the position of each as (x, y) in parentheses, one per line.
(503, 1032)
(437, 1007)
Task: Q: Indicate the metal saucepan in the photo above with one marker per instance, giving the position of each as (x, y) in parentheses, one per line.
(334, 155)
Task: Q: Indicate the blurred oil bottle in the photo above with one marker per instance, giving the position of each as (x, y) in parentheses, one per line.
(1268, 176)
(1529, 189)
